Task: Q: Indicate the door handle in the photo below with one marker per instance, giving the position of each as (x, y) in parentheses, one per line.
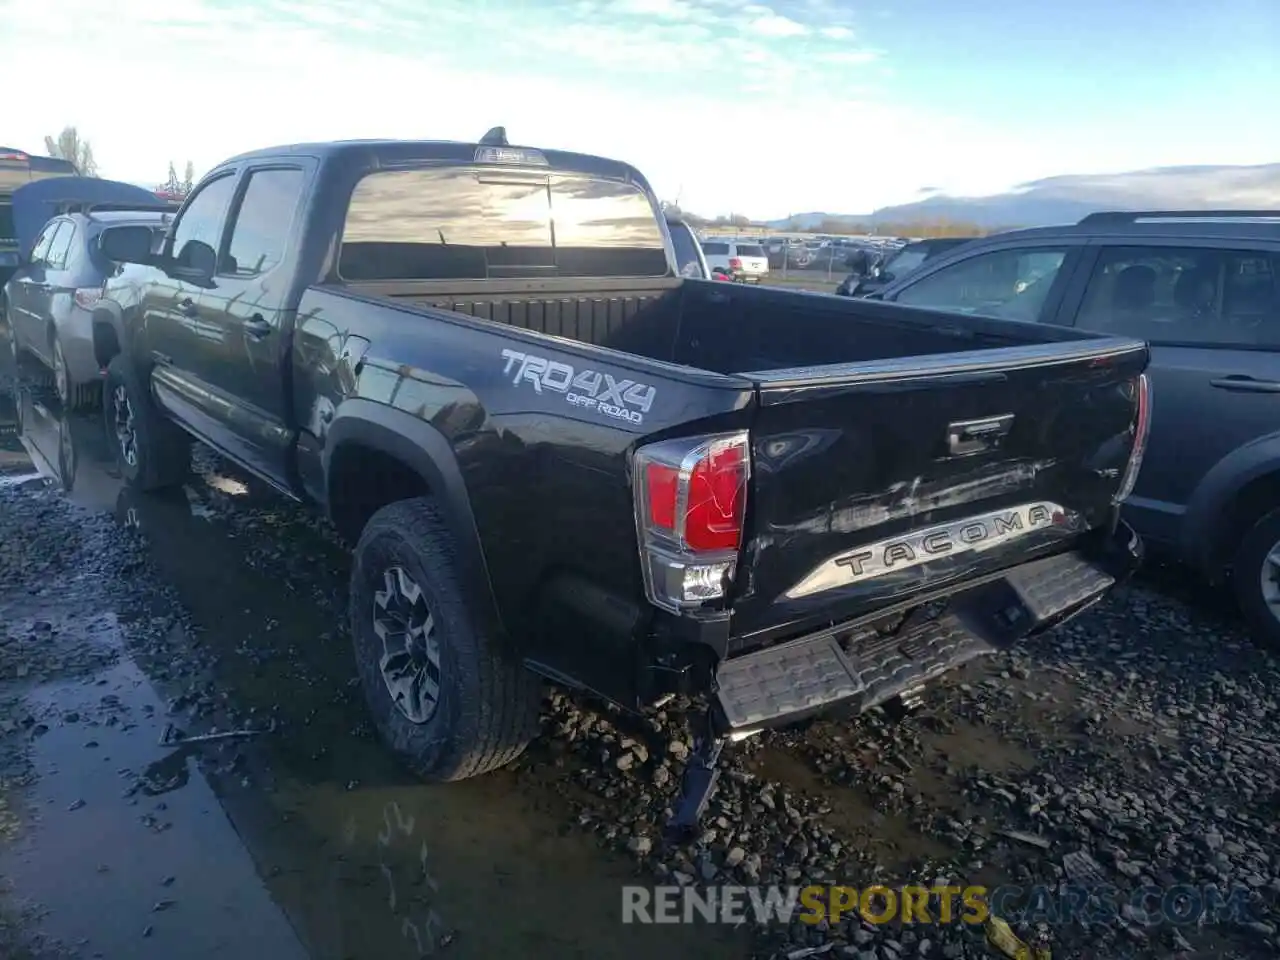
(187, 307)
(1246, 384)
(257, 326)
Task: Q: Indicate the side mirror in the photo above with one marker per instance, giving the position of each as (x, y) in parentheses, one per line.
(197, 259)
(126, 244)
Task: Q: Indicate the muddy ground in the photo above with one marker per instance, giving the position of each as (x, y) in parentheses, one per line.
(1138, 746)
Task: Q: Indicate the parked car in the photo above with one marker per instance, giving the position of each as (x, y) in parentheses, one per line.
(17, 169)
(899, 265)
(557, 458)
(1203, 288)
(745, 262)
(48, 302)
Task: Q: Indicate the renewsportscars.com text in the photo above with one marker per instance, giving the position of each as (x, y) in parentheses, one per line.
(1182, 904)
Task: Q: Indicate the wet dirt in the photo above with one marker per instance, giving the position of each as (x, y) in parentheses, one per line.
(220, 607)
(216, 607)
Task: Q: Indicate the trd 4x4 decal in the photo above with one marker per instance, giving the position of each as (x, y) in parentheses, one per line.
(590, 389)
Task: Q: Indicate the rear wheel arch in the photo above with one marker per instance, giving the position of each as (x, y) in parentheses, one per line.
(1240, 489)
(409, 458)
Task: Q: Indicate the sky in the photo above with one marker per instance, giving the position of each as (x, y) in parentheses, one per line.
(762, 109)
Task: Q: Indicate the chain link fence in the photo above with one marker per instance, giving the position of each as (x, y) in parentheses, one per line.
(818, 264)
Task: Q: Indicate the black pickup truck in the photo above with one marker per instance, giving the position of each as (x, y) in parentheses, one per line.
(558, 459)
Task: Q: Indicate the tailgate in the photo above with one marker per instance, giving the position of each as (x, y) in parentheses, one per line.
(873, 481)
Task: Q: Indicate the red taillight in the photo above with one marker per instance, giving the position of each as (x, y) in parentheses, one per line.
(661, 483)
(691, 499)
(713, 518)
(1140, 428)
(735, 263)
(87, 297)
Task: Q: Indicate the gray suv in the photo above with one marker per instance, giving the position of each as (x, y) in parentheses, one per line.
(1203, 288)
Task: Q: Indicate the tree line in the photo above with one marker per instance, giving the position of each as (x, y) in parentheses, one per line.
(70, 145)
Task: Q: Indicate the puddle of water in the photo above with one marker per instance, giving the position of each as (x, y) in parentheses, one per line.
(87, 843)
(365, 861)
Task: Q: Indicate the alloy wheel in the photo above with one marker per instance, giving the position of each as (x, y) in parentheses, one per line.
(126, 431)
(410, 661)
(1269, 580)
(60, 378)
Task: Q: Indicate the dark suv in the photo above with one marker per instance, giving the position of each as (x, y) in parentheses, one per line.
(1203, 288)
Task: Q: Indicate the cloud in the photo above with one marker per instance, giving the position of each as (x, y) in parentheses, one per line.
(774, 25)
(644, 82)
(837, 33)
(850, 57)
(669, 9)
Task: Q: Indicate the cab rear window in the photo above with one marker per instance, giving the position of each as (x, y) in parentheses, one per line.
(464, 223)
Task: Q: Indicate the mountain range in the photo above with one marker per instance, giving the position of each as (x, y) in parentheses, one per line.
(1065, 199)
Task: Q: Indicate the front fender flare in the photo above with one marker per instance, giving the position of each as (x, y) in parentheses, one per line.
(1200, 542)
(108, 313)
(424, 449)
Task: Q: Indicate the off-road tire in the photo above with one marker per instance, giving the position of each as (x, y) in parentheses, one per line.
(487, 710)
(1246, 569)
(163, 449)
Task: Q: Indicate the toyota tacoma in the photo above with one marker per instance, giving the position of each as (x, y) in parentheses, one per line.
(556, 459)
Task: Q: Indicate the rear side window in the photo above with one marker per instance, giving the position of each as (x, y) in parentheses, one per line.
(750, 250)
(461, 223)
(56, 258)
(716, 249)
(41, 247)
(8, 235)
(1193, 295)
(263, 222)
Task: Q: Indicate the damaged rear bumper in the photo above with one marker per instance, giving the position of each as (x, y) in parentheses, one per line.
(858, 667)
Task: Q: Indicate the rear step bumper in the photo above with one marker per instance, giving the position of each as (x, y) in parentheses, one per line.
(860, 668)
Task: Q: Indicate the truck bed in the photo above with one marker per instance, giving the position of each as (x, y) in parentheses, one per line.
(716, 326)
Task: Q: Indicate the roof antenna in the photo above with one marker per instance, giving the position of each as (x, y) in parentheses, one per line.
(496, 137)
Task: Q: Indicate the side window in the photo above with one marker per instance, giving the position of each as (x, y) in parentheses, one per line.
(263, 222)
(41, 249)
(59, 246)
(715, 249)
(1184, 295)
(1251, 298)
(198, 232)
(1004, 283)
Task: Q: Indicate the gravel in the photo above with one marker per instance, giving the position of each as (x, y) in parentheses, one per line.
(1136, 746)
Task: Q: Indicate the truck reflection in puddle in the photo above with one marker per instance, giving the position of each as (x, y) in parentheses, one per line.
(364, 861)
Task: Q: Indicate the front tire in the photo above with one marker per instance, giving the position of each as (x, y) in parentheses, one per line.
(452, 702)
(1255, 577)
(151, 451)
